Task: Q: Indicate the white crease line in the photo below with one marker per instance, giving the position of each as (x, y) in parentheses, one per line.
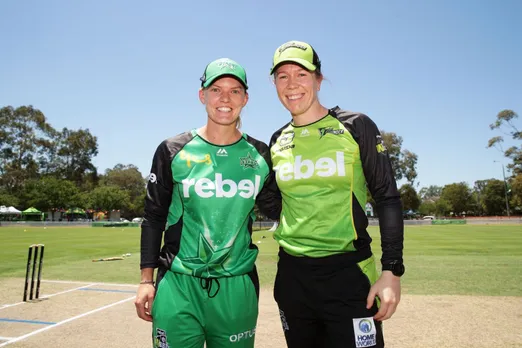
(11, 305)
(64, 322)
(70, 290)
(63, 281)
(51, 295)
(7, 338)
(79, 282)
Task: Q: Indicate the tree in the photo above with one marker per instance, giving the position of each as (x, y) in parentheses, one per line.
(478, 194)
(25, 138)
(431, 193)
(475, 205)
(75, 152)
(505, 120)
(493, 197)
(393, 144)
(458, 196)
(137, 207)
(48, 193)
(428, 208)
(443, 207)
(516, 193)
(109, 198)
(403, 162)
(30, 148)
(8, 200)
(259, 215)
(407, 165)
(409, 197)
(129, 179)
(82, 199)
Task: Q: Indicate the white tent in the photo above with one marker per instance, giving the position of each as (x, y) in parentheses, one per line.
(9, 211)
(13, 210)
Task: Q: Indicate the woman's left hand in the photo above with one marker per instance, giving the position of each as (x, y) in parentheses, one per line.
(388, 289)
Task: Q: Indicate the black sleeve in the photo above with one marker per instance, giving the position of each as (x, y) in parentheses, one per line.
(269, 199)
(383, 187)
(157, 202)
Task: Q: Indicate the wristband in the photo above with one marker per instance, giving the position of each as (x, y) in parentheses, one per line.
(147, 282)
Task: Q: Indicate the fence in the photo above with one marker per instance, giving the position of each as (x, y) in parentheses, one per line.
(258, 225)
(114, 224)
(46, 223)
(449, 222)
(500, 220)
(375, 222)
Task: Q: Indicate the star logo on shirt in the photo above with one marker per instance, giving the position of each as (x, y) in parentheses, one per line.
(208, 262)
(248, 162)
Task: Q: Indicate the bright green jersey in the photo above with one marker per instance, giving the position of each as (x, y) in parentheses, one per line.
(206, 193)
(322, 175)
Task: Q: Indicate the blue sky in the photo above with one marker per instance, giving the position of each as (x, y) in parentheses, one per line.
(434, 72)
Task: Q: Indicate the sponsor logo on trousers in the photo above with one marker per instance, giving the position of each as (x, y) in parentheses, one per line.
(365, 340)
(365, 332)
(243, 336)
(160, 340)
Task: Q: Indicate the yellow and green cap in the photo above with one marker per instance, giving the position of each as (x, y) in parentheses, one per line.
(223, 67)
(296, 52)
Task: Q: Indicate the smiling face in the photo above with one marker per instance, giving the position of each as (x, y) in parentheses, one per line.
(224, 99)
(297, 88)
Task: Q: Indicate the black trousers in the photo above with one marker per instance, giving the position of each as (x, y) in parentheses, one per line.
(322, 302)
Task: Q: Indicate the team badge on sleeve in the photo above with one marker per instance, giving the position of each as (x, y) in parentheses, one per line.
(380, 144)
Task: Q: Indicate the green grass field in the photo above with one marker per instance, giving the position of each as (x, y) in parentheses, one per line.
(463, 260)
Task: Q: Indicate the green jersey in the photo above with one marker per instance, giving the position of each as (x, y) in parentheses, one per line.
(203, 196)
(323, 170)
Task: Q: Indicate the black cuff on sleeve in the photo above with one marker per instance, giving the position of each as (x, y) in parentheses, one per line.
(151, 237)
(391, 226)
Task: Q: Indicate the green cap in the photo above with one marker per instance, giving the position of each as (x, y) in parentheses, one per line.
(297, 52)
(223, 67)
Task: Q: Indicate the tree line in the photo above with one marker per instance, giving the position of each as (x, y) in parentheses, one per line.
(50, 169)
(485, 197)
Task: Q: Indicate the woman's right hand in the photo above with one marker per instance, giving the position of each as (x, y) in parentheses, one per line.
(143, 301)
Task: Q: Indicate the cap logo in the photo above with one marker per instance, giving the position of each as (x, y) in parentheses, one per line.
(291, 45)
(225, 65)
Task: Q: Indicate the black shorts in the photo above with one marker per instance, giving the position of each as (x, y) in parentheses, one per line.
(322, 301)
